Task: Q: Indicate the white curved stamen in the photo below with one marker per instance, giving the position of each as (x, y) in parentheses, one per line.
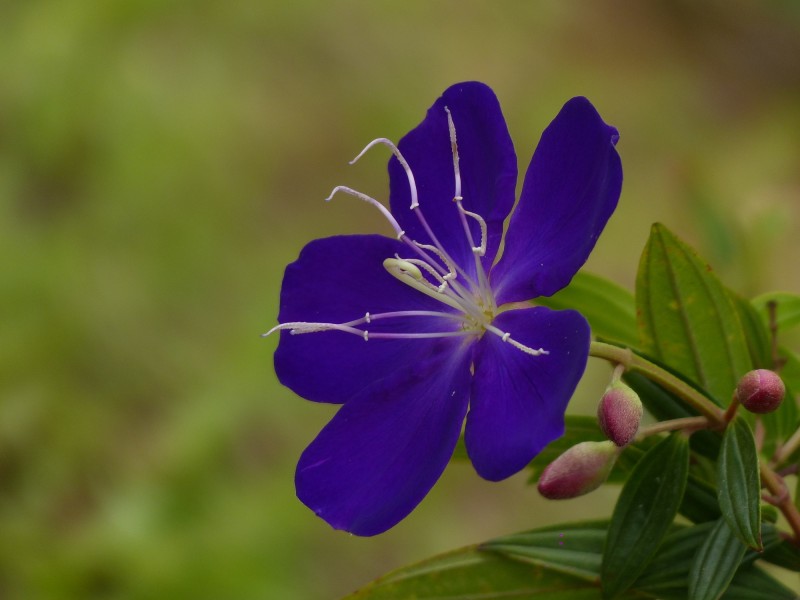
(401, 159)
(414, 196)
(396, 268)
(454, 147)
(299, 327)
(430, 270)
(361, 196)
(479, 250)
(451, 268)
(506, 337)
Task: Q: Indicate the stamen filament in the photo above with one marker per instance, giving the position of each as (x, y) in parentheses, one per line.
(385, 211)
(480, 250)
(477, 251)
(401, 159)
(391, 265)
(506, 337)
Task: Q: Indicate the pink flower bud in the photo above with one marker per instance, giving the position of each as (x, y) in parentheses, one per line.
(578, 471)
(760, 391)
(619, 413)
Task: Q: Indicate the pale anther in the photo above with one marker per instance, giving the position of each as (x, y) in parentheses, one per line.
(454, 145)
(361, 196)
(505, 337)
(480, 250)
(366, 335)
(366, 318)
(390, 144)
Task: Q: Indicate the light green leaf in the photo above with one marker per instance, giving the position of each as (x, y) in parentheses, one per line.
(787, 309)
(644, 513)
(686, 317)
(608, 307)
(575, 548)
(715, 563)
(738, 481)
(472, 574)
(755, 330)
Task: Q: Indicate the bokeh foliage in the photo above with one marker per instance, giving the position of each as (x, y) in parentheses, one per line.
(160, 162)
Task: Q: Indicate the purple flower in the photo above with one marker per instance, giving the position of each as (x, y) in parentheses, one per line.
(409, 332)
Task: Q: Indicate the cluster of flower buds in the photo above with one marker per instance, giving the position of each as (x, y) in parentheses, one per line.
(586, 466)
(760, 391)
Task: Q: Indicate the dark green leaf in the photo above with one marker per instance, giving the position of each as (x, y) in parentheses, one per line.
(699, 501)
(668, 574)
(754, 584)
(575, 548)
(472, 574)
(784, 554)
(739, 486)
(715, 563)
(608, 307)
(686, 317)
(787, 309)
(644, 513)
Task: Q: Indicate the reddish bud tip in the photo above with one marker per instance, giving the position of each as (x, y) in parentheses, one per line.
(760, 391)
(578, 471)
(619, 414)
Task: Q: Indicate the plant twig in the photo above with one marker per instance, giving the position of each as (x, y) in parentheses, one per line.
(634, 362)
(781, 498)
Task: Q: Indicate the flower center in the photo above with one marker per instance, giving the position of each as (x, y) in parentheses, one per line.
(430, 270)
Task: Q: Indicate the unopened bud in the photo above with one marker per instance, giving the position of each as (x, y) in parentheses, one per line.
(760, 391)
(620, 413)
(578, 471)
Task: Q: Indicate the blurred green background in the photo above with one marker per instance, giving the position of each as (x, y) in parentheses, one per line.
(162, 160)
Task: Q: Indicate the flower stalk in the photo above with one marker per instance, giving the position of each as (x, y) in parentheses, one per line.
(634, 362)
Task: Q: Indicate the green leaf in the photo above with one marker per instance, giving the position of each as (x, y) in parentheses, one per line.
(787, 309)
(755, 330)
(780, 424)
(715, 563)
(668, 574)
(608, 307)
(472, 574)
(699, 501)
(574, 549)
(644, 513)
(782, 553)
(738, 481)
(686, 317)
(754, 584)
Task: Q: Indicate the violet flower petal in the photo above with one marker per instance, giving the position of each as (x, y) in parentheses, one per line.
(384, 450)
(488, 167)
(570, 190)
(339, 279)
(518, 400)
